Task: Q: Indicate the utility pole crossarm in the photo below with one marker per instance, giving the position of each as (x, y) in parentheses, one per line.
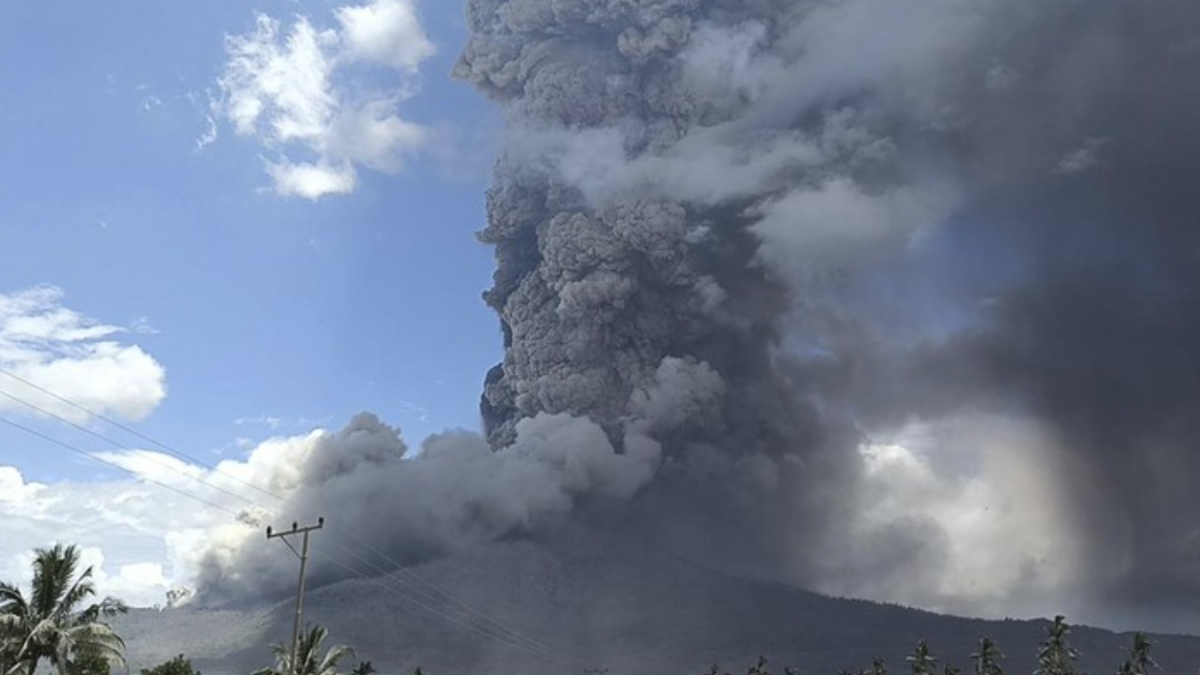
(302, 554)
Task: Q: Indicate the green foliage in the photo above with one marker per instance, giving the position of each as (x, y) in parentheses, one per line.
(1055, 655)
(922, 661)
(10, 645)
(987, 659)
(89, 662)
(1139, 661)
(176, 666)
(309, 658)
(53, 623)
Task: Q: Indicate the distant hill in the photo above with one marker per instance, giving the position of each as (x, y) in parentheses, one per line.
(600, 602)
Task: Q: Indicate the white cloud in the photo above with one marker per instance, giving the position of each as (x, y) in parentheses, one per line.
(387, 31)
(143, 574)
(77, 358)
(270, 421)
(276, 423)
(299, 90)
(120, 527)
(312, 181)
(209, 136)
(155, 466)
(369, 135)
(284, 79)
(142, 326)
(13, 487)
(144, 539)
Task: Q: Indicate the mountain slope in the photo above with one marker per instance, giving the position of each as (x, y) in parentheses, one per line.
(598, 601)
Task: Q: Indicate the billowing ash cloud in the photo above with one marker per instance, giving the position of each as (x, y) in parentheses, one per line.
(384, 509)
(892, 299)
(861, 213)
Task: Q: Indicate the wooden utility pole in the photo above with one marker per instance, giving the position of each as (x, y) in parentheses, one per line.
(302, 554)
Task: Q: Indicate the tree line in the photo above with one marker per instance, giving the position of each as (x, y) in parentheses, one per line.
(1055, 656)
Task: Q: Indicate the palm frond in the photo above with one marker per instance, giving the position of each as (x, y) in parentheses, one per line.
(50, 623)
(53, 570)
(11, 597)
(329, 663)
(73, 597)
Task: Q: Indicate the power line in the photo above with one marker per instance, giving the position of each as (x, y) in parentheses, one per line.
(121, 446)
(134, 432)
(433, 592)
(464, 611)
(516, 640)
(438, 594)
(478, 630)
(450, 605)
(85, 453)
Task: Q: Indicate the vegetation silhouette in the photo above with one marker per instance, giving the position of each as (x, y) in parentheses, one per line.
(53, 623)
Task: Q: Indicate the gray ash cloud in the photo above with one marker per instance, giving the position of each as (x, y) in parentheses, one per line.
(744, 190)
(738, 243)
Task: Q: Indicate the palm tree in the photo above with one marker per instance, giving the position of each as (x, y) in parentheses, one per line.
(987, 659)
(1139, 661)
(309, 660)
(10, 644)
(51, 624)
(1055, 655)
(922, 661)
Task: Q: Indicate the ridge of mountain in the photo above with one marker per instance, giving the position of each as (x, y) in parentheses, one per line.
(599, 602)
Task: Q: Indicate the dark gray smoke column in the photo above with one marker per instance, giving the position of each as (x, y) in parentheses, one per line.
(684, 178)
(628, 281)
(630, 306)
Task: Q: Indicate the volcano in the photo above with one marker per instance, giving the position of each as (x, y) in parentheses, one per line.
(585, 601)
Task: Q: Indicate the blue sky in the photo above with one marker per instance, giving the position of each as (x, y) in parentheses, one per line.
(149, 245)
(268, 312)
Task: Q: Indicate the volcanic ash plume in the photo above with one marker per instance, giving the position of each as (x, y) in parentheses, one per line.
(384, 509)
(746, 229)
(897, 299)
